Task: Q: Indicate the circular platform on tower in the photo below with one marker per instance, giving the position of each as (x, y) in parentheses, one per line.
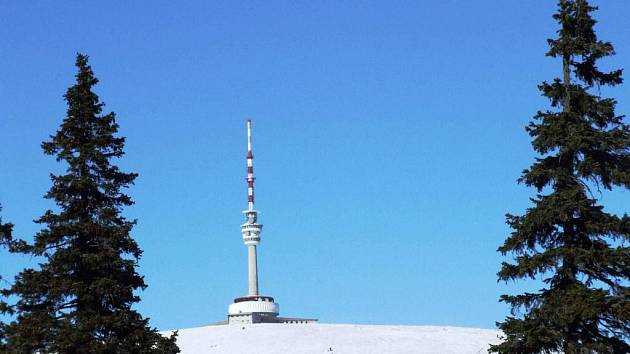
(254, 304)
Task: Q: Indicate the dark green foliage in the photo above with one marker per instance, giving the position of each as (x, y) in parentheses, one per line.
(5, 231)
(580, 251)
(80, 299)
(5, 239)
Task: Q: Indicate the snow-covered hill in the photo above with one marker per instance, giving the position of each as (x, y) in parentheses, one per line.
(334, 339)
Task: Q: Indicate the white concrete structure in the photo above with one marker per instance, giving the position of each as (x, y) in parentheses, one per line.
(254, 308)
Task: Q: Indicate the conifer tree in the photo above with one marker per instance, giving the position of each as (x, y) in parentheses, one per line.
(580, 251)
(6, 230)
(6, 238)
(80, 298)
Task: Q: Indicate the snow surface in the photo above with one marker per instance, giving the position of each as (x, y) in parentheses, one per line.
(334, 339)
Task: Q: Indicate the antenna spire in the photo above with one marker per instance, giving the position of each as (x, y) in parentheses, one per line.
(250, 168)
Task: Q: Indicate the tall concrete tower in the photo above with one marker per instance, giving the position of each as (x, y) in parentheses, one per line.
(254, 308)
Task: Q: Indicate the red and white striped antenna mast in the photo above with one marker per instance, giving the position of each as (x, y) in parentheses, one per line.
(250, 168)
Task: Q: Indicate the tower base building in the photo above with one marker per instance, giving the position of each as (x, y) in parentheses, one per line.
(259, 309)
(255, 308)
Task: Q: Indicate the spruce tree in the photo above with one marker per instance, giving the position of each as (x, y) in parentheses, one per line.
(580, 251)
(6, 230)
(80, 298)
(6, 238)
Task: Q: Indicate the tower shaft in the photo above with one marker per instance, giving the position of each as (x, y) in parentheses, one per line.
(252, 263)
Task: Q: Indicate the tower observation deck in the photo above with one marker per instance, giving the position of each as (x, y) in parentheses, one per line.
(254, 308)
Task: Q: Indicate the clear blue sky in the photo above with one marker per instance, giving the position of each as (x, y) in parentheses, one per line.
(388, 139)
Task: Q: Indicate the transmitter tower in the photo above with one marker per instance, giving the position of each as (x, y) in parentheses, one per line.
(254, 308)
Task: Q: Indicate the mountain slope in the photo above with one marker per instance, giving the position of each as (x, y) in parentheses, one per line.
(334, 339)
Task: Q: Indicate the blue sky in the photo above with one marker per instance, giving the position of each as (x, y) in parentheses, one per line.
(388, 138)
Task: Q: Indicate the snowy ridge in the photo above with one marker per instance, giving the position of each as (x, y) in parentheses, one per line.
(334, 339)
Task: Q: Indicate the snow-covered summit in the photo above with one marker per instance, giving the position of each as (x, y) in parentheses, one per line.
(334, 339)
